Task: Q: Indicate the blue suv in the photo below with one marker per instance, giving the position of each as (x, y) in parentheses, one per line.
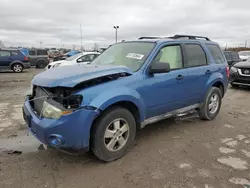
(13, 59)
(101, 106)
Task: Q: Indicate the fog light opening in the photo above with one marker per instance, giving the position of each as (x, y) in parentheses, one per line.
(55, 140)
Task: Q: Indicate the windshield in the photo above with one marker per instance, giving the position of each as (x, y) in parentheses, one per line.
(72, 57)
(246, 53)
(129, 54)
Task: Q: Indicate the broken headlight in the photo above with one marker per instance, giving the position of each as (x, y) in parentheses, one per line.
(52, 112)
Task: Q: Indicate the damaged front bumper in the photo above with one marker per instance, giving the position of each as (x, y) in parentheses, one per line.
(70, 132)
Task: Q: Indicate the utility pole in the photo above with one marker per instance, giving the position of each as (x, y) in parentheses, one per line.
(116, 28)
(81, 35)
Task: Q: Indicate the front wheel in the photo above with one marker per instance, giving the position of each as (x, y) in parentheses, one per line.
(113, 134)
(212, 104)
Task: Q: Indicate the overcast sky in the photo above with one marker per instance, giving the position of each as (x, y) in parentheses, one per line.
(27, 22)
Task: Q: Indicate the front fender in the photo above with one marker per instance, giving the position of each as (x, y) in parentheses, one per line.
(108, 98)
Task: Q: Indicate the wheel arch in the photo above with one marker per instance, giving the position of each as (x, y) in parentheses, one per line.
(217, 80)
(15, 62)
(220, 85)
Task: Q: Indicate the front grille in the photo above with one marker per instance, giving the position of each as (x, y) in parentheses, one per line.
(39, 96)
(245, 71)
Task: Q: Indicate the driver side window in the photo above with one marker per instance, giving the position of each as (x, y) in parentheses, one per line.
(84, 58)
(171, 55)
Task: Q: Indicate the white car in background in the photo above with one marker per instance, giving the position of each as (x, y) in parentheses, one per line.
(83, 58)
(244, 55)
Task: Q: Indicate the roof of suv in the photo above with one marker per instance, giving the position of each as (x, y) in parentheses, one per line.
(10, 49)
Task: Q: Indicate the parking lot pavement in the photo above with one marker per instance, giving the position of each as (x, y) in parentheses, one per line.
(189, 153)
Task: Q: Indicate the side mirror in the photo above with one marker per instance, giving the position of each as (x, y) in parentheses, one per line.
(159, 67)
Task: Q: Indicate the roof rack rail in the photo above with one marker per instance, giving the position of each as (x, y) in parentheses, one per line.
(151, 38)
(189, 37)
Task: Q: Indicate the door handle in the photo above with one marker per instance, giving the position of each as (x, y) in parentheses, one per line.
(208, 72)
(179, 77)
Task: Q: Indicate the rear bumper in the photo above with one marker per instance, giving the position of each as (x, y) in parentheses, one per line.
(26, 65)
(70, 132)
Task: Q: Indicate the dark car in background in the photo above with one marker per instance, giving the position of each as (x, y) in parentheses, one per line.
(13, 59)
(39, 58)
(240, 74)
(232, 57)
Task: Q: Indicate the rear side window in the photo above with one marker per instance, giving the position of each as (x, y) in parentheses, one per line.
(216, 53)
(235, 56)
(4, 54)
(14, 53)
(228, 56)
(42, 52)
(32, 52)
(195, 55)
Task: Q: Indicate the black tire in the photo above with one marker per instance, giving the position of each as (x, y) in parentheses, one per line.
(98, 141)
(204, 111)
(17, 68)
(41, 64)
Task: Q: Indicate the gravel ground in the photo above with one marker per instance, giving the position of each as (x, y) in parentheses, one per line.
(171, 154)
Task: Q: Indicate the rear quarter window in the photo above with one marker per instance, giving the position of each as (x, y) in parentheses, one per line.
(42, 52)
(216, 53)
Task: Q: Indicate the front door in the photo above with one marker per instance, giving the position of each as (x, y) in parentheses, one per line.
(164, 92)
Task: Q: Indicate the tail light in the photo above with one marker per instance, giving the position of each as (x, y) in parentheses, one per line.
(228, 71)
(26, 58)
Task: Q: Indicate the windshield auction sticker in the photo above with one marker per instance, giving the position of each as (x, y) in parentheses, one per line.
(135, 56)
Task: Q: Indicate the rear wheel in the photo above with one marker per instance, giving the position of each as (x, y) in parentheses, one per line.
(41, 64)
(17, 68)
(211, 106)
(113, 134)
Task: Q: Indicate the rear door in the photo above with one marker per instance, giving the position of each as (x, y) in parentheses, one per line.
(198, 72)
(5, 58)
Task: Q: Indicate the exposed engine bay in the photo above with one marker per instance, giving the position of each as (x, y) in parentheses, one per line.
(63, 97)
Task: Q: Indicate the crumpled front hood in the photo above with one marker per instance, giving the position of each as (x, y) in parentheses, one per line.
(70, 76)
